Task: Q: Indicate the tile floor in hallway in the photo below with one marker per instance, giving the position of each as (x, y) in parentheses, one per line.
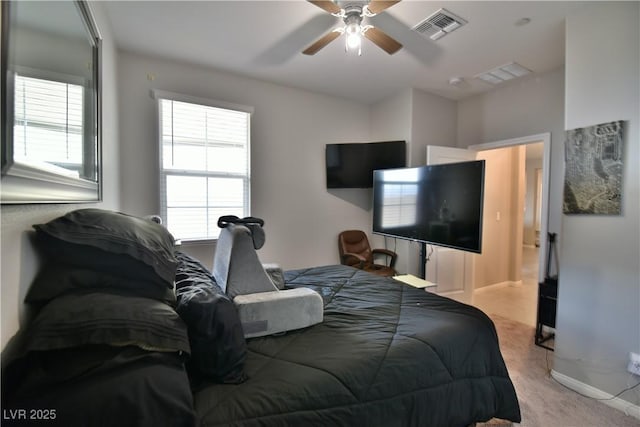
(516, 302)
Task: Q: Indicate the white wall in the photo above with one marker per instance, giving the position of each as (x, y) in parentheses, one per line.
(391, 120)
(528, 107)
(433, 122)
(421, 119)
(599, 291)
(289, 130)
(18, 258)
(599, 303)
(51, 52)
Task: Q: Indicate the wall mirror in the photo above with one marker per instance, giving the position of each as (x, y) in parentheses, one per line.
(51, 103)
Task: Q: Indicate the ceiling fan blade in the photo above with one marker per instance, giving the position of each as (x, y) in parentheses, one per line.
(377, 6)
(384, 41)
(327, 5)
(321, 42)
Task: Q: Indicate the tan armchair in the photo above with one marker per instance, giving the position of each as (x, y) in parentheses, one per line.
(355, 251)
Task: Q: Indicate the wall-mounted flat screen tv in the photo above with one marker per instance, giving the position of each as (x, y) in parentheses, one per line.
(438, 204)
(351, 165)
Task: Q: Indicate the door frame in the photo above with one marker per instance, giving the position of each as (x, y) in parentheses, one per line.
(545, 138)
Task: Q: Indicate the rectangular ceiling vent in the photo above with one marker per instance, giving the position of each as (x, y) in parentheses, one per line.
(503, 73)
(439, 24)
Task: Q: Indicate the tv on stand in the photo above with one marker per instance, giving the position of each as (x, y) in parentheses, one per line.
(436, 204)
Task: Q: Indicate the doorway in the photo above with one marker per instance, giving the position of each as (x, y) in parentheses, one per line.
(517, 299)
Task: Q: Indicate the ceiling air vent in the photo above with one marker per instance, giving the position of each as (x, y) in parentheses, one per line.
(503, 73)
(439, 24)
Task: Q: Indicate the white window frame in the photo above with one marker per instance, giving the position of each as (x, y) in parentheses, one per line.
(160, 95)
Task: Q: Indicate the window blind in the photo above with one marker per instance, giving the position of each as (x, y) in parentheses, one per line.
(204, 167)
(48, 122)
(400, 204)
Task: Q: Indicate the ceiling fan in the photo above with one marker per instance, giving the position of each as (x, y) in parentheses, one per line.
(352, 13)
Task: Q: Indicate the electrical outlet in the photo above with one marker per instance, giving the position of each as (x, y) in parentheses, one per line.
(634, 363)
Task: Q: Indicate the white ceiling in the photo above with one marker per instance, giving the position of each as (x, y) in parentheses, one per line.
(263, 39)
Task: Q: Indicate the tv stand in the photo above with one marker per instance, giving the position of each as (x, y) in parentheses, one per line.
(423, 260)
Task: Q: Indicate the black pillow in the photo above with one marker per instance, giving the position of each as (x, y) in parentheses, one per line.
(99, 386)
(55, 279)
(218, 347)
(80, 319)
(111, 242)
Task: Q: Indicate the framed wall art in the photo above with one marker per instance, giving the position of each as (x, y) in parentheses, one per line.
(593, 169)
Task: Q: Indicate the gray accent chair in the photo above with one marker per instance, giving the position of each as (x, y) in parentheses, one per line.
(265, 307)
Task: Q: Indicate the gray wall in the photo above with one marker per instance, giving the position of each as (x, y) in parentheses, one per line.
(19, 260)
(433, 122)
(599, 291)
(421, 119)
(289, 130)
(599, 302)
(44, 51)
(528, 107)
(391, 120)
(519, 109)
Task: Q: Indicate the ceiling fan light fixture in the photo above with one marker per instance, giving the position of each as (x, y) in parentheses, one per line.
(353, 30)
(353, 41)
(353, 33)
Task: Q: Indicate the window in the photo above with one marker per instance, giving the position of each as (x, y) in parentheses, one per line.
(400, 204)
(204, 165)
(400, 198)
(48, 124)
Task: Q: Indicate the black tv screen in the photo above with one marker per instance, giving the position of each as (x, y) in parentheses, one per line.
(351, 165)
(437, 204)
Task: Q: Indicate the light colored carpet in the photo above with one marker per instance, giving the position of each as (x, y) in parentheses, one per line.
(543, 401)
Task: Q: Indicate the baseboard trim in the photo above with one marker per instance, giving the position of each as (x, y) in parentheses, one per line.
(498, 285)
(627, 408)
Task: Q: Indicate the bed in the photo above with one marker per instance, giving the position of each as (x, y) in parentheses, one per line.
(131, 332)
(386, 354)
